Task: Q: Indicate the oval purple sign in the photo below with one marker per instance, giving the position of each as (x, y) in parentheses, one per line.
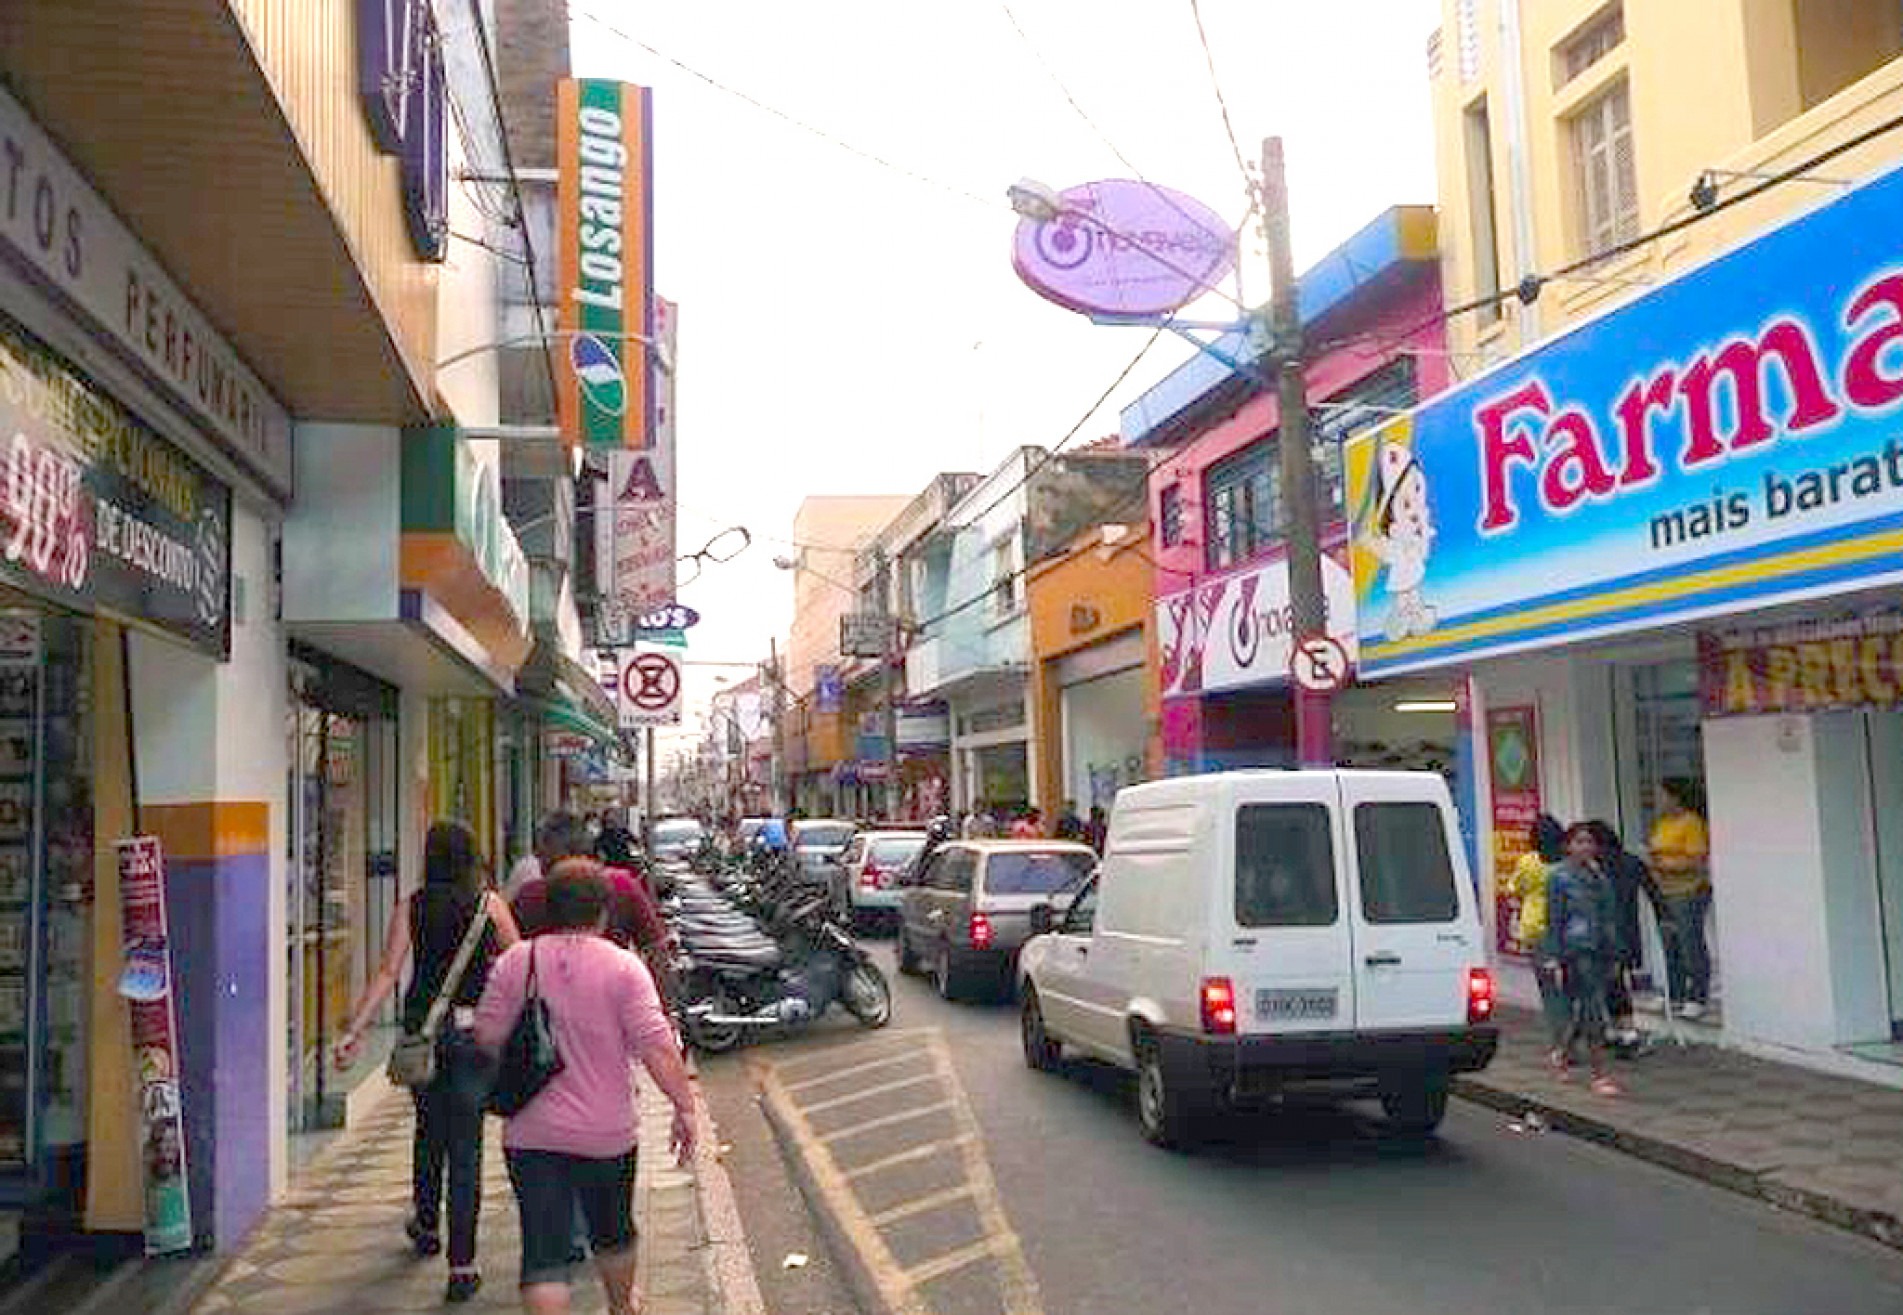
(1123, 247)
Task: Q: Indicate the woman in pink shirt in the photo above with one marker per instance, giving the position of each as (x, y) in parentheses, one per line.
(574, 1143)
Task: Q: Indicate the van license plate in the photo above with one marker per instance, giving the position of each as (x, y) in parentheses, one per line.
(1300, 1003)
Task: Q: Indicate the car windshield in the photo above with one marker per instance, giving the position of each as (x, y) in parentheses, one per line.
(1037, 873)
(676, 832)
(897, 851)
(832, 835)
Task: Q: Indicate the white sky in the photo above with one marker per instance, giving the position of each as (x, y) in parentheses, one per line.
(846, 329)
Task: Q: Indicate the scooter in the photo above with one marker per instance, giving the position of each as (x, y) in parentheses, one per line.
(736, 982)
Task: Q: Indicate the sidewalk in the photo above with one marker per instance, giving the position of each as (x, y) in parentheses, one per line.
(1825, 1146)
(335, 1243)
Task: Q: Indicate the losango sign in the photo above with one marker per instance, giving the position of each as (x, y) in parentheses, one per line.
(1124, 248)
(405, 97)
(1725, 441)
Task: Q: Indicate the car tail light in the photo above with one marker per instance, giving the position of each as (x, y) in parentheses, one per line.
(871, 878)
(1219, 1006)
(980, 929)
(1479, 995)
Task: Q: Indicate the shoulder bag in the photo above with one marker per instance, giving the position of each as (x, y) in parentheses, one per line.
(413, 1058)
(530, 1060)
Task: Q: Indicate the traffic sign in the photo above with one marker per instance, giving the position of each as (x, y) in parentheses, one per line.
(1319, 664)
(650, 690)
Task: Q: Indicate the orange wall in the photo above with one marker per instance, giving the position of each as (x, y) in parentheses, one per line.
(1088, 595)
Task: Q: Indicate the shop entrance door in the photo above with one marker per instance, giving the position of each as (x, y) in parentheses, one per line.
(1884, 731)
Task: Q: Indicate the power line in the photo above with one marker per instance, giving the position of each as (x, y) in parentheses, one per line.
(851, 149)
(1215, 84)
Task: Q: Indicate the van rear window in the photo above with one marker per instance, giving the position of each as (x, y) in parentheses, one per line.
(1406, 874)
(1285, 866)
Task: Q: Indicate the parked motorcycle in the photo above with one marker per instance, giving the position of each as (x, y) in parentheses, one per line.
(737, 979)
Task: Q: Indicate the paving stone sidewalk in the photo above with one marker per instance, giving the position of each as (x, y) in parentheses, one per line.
(1826, 1146)
(336, 1244)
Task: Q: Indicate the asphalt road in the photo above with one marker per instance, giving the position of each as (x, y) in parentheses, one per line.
(968, 1184)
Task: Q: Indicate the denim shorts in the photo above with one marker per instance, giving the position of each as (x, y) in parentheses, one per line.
(549, 1186)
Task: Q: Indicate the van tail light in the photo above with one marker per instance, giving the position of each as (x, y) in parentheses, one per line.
(980, 929)
(1479, 995)
(1219, 1006)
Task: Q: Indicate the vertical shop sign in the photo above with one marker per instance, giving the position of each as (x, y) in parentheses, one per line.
(605, 262)
(1513, 754)
(146, 983)
(404, 89)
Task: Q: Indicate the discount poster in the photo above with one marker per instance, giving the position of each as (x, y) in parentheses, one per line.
(1513, 753)
(146, 983)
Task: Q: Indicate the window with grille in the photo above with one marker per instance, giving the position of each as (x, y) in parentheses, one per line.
(1370, 400)
(1607, 177)
(1243, 504)
(1170, 515)
(1589, 45)
(1004, 577)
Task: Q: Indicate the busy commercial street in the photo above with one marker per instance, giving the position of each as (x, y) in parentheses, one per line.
(1315, 1210)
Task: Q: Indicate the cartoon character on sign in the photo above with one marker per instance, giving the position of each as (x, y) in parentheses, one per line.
(1399, 529)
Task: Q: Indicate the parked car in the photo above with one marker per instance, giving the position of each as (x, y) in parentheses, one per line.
(866, 881)
(966, 911)
(676, 837)
(1259, 933)
(816, 844)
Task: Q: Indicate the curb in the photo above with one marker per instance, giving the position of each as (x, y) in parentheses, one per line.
(859, 1277)
(1877, 1225)
(731, 1280)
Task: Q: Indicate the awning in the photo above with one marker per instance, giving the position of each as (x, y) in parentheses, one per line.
(566, 694)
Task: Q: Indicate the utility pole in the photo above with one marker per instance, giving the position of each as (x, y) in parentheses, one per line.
(889, 651)
(1300, 520)
(777, 684)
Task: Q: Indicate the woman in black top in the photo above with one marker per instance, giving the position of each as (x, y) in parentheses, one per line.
(427, 929)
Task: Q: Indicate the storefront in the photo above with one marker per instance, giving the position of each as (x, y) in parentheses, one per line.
(1662, 548)
(991, 748)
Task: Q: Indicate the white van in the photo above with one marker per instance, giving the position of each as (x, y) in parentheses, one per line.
(1260, 932)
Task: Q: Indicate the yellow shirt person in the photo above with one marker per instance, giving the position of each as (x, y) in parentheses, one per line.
(1681, 853)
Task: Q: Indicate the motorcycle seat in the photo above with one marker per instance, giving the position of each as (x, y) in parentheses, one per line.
(732, 954)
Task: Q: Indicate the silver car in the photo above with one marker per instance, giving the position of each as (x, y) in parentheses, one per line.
(866, 882)
(965, 912)
(816, 844)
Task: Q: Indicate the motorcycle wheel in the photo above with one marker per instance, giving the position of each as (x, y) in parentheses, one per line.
(714, 1038)
(867, 995)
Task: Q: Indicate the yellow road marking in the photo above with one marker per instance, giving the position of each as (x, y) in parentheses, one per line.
(884, 1088)
(873, 1125)
(925, 1152)
(921, 1205)
(951, 1262)
(851, 1071)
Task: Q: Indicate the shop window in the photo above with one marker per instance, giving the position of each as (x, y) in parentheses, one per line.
(1605, 173)
(1590, 44)
(1170, 515)
(1243, 497)
(1285, 866)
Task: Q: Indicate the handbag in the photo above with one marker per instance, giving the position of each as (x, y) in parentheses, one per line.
(413, 1058)
(530, 1060)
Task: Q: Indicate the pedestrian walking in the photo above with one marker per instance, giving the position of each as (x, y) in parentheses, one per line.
(428, 931)
(1630, 878)
(574, 1143)
(1528, 881)
(1681, 861)
(634, 921)
(1581, 946)
(1029, 826)
(1097, 829)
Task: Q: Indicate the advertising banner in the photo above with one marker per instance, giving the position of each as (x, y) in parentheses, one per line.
(146, 983)
(636, 535)
(1513, 740)
(98, 511)
(829, 689)
(1236, 631)
(1724, 441)
(605, 262)
(1808, 666)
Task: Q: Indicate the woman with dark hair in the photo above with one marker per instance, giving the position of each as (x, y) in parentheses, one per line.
(573, 1144)
(1581, 947)
(428, 929)
(1630, 876)
(1528, 880)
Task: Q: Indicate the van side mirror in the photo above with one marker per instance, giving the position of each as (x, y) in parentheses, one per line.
(1043, 919)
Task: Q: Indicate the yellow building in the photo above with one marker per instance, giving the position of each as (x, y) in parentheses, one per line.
(1567, 128)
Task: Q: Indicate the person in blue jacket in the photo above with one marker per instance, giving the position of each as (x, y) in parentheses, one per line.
(1581, 948)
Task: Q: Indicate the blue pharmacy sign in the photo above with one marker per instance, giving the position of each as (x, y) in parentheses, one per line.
(1731, 439)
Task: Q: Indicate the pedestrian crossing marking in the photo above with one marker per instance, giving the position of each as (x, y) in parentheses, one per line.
(884, 1088)
(887, 1121)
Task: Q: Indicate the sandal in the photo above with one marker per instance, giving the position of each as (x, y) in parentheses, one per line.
(1604, 1085)
(1560, 1066)
(463, 1286)
(423, 1241)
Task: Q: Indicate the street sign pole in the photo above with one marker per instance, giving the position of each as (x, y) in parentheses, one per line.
(1301, 531)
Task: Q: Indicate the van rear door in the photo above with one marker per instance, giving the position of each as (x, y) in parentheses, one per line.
(1287, 948)
(1416, 929)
